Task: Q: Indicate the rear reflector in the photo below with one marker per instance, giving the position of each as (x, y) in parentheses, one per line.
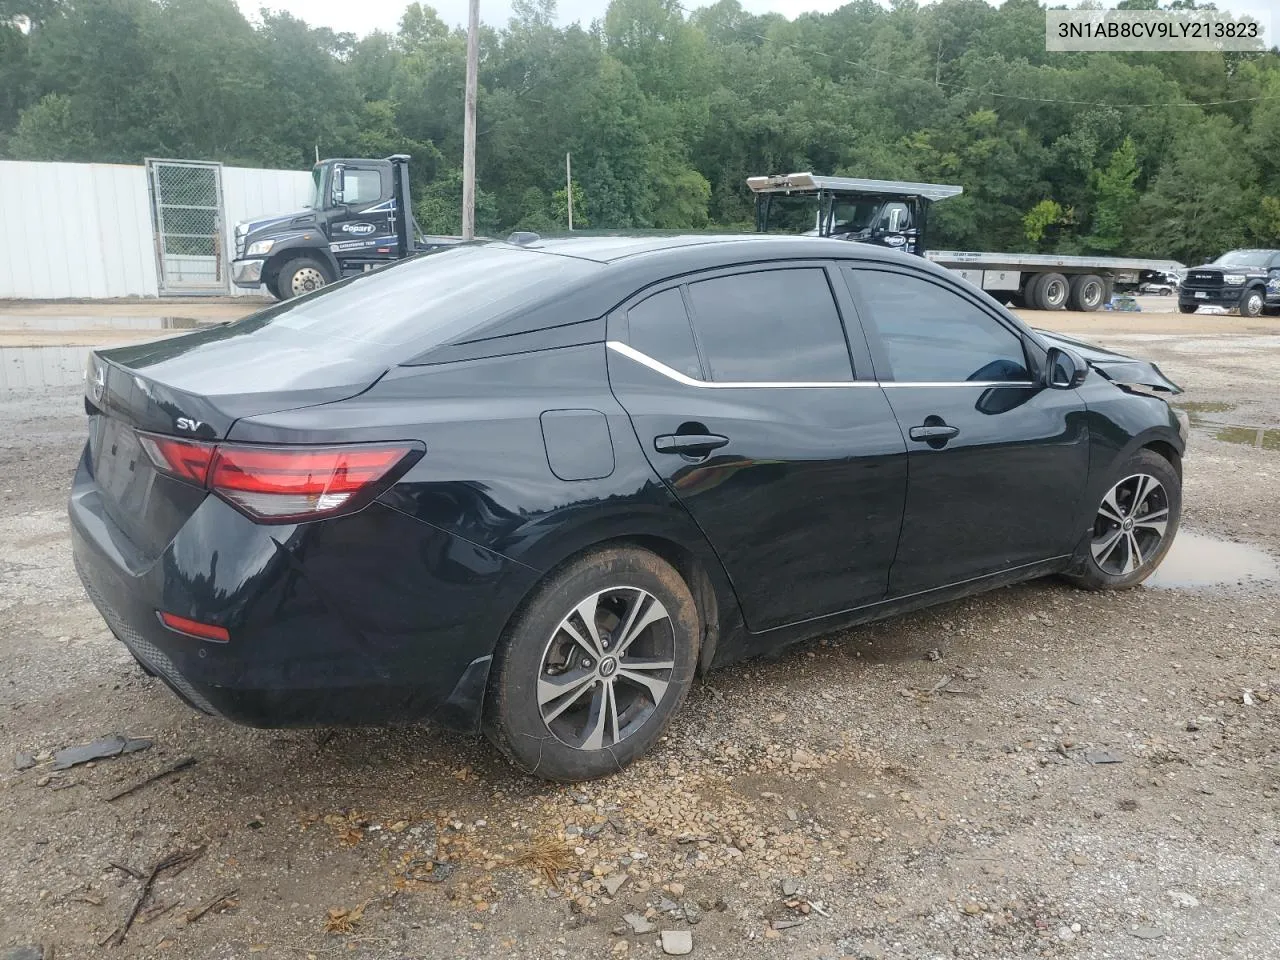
(282, 484)
(194, 628)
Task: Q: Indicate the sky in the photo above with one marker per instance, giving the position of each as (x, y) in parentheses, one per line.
(364, 16)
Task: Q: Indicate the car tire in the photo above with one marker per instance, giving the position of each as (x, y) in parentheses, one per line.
(300, 276)
(1187, 308)
(614, 700)
(1134, 525)
(1087, 292)
(1051, 292)
(1252, 301)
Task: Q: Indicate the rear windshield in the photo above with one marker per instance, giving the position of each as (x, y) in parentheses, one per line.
(423, 302)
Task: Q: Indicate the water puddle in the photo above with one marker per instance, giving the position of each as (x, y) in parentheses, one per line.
(70, 323)
(1259, 437)
(1194, 407)
(1196, 560)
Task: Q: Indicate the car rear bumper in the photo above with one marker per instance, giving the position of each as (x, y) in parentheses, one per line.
(368, 619)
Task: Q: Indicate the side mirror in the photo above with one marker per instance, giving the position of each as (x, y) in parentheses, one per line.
(1064, 369)
(338, 186)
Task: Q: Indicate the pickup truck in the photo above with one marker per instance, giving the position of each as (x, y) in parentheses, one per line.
(1248, 280)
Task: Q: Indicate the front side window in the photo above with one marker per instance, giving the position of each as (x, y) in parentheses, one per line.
(932, 335)
(770, 326)
(361, 186)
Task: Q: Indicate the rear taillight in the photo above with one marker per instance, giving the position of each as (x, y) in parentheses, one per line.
(282, 484)
(184, 459)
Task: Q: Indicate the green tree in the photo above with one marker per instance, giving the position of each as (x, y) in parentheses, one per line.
(1115, 197)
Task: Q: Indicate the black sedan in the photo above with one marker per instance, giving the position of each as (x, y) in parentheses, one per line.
(532, 488)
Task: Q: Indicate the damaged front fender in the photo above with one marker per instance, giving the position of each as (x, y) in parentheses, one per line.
(1116, 367)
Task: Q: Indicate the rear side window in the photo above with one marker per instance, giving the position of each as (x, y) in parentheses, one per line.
(773, 325)
(659, 327)
(933, 335)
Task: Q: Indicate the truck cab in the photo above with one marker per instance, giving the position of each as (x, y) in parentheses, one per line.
(887, 213)
(1248, 280)
(359, 218)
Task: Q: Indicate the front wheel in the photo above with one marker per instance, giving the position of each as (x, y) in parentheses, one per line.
(1251, 303)
(1186, 308)
(592, 669)
(1134, 526)
(300, 276)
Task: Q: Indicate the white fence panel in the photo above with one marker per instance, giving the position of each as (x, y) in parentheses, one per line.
(74, 230)
(251, 194)
(84, 230)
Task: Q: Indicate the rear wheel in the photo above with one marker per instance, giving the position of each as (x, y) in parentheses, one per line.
(592, 669)
(1134, 526)
(1087, 292)
(300, 276)
(1051, 292)
(1251, 303)
(1186, 308)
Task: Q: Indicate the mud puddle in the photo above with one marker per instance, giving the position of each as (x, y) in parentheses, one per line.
(1196, 560)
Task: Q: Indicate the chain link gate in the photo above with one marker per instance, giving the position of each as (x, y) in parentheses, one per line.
(186, 211)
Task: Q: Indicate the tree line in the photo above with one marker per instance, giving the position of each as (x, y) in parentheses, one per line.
(667, 110)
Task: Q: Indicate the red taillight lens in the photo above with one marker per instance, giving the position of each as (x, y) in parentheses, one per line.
(194, 628)
(279, 484)
(185, 459)
(275, 483)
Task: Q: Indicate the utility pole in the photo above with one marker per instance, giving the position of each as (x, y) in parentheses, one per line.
(568, 183)
(469, 125)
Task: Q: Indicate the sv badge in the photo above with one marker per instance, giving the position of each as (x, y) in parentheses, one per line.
(186, 423)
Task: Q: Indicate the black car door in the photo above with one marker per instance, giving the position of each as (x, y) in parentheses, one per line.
(792, 466)
(996, 461)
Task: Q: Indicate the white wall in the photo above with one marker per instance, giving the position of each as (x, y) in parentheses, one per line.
(250, 194)
(75, 230)
(84, 230)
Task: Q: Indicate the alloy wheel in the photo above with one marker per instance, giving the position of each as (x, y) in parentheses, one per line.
(305, 280)
(606, 668)
(1130, 525)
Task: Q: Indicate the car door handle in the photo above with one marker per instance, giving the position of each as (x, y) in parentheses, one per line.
(933, 432)
(689, 444)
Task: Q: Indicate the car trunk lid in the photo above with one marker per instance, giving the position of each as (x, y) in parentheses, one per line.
(196, 387)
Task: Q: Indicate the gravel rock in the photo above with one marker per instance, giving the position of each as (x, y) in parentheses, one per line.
(613, 883)
(677, 943)
(790, 887)
(637, 923)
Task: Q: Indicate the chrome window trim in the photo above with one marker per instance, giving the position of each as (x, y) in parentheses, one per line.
(958, 383)
(657, 366)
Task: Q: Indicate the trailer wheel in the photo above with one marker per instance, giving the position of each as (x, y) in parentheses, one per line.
(1027, 298)
(1087, 292)
(300, 276)
(1051, 291)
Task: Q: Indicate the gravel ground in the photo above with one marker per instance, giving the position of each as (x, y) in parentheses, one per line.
(852, 797)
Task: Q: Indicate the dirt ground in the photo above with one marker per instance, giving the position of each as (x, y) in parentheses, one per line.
(855, 797)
